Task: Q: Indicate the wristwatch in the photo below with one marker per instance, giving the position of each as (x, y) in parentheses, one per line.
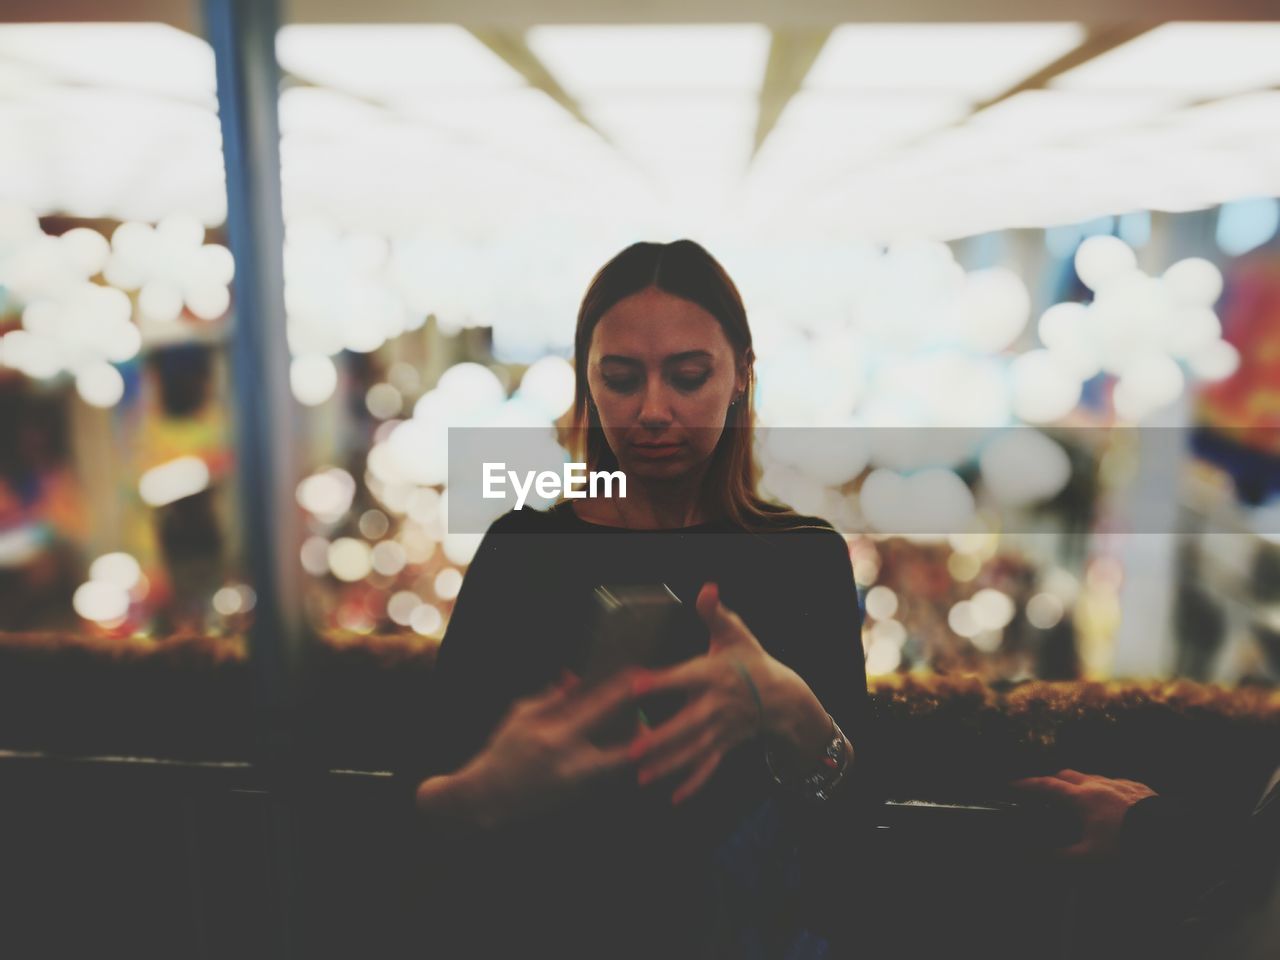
(830, 771)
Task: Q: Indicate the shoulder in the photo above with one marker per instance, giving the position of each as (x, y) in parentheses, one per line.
(814, 536)
(782, 520)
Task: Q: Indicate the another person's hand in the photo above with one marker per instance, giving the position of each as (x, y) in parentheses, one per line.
(735, 691)
(1100, 803)
(539, 755)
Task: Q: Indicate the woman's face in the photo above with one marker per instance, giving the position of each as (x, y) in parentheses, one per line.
(662, 374)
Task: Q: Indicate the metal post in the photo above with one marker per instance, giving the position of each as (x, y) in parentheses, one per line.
(243, 34)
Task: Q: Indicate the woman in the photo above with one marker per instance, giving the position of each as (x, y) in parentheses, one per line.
(644, 847)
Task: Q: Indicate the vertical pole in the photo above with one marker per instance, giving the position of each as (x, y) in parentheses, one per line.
(243, 35)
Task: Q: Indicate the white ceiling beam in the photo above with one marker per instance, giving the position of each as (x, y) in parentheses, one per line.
(1098, 40)
(791, 54)
(511, 47)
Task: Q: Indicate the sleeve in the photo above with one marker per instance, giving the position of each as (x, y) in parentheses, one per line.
(1174, 856)
(832, 837)
(826, 651)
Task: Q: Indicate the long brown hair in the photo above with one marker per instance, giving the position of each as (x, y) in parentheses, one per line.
(683, 269)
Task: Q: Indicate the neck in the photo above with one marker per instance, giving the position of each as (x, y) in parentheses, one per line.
(653, 505)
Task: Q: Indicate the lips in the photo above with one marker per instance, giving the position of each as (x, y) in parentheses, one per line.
(655, 449)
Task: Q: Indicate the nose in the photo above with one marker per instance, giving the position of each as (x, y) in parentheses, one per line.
(655, 407)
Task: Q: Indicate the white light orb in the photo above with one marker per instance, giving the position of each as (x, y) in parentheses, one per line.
(955, 389)
(134, 250)
(548, 385)
(388, 558)
(961, 620)
(121, 342)
(460, 548)
(424, 506)
(992, 609)
(420, 451)
(227, 601)
(1216, 361)
(1194, 281)
(931, 501)
(160, 300)
(471, 388)
(174, 480)
(43, 318)
(327, 494)
(881, 602)
(215, 264)
(1059, 324)
(1147, 384)
(400, 606)
(383, 401)
(179, 232)
(1022, 466)
(37, 357)
(1192, 329)
(313, 379)
(1045, 611)
(404, 377)
(86, 250)
(883, 657)
(1101, 260)
(426, 620)
(1045, 387)
(374, 524)
(988, 641)
(118, 568)
(890, 631)
(994, 309)
(448, 582)
(315, 556)
(100, 601)
(208, 301)
(100, 385)
(350, 560)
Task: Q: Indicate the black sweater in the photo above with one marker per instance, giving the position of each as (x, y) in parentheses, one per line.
(622, 872)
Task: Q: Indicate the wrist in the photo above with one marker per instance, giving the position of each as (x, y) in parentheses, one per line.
(459, 798)
(797, 726)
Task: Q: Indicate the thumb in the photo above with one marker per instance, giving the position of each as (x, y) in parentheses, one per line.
(720, 620)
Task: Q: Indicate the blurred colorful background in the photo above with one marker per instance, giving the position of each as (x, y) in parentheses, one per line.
(948, 228)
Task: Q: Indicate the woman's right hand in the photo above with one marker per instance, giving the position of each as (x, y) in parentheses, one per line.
(539, 755)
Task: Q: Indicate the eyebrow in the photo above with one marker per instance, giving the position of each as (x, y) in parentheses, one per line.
(674, 358)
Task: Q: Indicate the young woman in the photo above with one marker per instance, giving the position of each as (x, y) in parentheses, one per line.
(579, 845)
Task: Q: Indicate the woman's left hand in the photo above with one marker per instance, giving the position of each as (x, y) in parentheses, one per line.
(735, 691)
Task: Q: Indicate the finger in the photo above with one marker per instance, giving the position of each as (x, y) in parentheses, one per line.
(604, 760)
(660, 741)
(1072, 776)
(687, 677)
(545, 701)
(696, 782)
(1050, 785)
(724, 625)
(691, 752)
(588, 707)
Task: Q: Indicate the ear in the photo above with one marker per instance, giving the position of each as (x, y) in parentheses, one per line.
(742, 374)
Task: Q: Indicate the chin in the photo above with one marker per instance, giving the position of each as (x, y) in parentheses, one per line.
(657, 470)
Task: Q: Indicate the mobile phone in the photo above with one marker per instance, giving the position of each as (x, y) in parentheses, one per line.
(642, 625)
